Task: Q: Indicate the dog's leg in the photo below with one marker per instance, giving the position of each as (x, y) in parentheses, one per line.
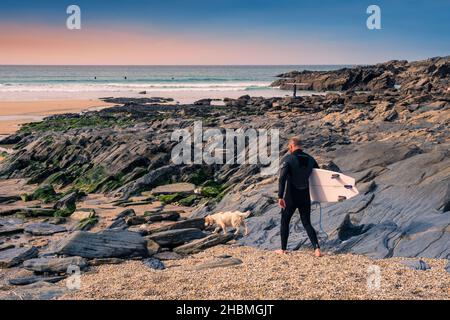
(224, 228)
(246, 229)
(239, 226)
(217, 229)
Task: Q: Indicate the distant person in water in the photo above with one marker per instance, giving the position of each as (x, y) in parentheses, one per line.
(293, 193)
(125, 78)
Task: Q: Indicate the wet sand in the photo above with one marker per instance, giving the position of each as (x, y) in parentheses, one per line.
(15, 113)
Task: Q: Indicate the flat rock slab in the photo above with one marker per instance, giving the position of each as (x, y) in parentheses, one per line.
(125, 213)
(197, 223)
(10, 230)
(10, 226)
(6, 246)
(12, 257)
(172, 238)
(102, 261)
(44, 229)
(202, 244)
(118, 224)
(56, 220)
(23, 281)
(54, 265)
(162, 216)
(174, 188)
(35, 212)
(168, 255)
(5, 222)
(447, 268)
(136, 220)
(68, 201)
(104, 244)
(36, 291)
(416, 264)
(136, 203)
(154, 263)
(9, 199)
(220, 263)
(82, 215)
(8, 212)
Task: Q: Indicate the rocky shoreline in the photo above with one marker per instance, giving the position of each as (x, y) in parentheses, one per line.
(84, 190)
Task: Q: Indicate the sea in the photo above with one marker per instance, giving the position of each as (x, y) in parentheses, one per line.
(183, 83)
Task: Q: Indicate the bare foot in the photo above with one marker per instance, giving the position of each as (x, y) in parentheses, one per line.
(317, 253)
(280, 251)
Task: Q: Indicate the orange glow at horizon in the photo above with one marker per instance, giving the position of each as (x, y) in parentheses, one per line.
(51, 46)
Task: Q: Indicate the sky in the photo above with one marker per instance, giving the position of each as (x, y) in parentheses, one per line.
(221, 32)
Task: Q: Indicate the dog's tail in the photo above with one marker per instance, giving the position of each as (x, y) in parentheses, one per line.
(245, 214)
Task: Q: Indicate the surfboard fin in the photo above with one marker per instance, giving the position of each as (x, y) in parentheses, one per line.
(335, 176)
(342, 198)
(348, 186)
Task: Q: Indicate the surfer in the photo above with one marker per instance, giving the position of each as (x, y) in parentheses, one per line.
(293, 193)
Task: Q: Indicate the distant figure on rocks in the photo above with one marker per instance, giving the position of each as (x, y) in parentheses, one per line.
(293, 193)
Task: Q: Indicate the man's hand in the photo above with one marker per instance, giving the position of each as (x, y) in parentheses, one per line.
(282, 203)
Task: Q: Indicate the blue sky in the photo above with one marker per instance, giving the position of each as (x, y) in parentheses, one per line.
(411, 29)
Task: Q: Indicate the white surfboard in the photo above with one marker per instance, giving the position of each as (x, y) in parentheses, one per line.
(330, 186)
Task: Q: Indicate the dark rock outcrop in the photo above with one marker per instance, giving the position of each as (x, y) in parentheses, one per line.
(10, 230)
(423, 75)
(161, 216)
(172, 238)
(154, 263)
(12, 257)
(202, 244)
(23, 281)
(9, 199)
(197, 223)
(104, 244)
(54, 265)
(68, 202)
(37, 291)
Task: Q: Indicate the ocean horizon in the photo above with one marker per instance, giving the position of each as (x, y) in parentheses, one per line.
(18, 81)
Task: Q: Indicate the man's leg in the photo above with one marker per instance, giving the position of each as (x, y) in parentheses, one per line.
(286, 215)
(305, 216)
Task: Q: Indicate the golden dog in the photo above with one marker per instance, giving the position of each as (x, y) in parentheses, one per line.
(226, 219)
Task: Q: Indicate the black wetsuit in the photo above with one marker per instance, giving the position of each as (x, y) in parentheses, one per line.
(294, 189)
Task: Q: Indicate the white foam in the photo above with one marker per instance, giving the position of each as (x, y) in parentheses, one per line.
(132, 87)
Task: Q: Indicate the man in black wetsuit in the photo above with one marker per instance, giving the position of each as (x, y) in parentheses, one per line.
(293, 193)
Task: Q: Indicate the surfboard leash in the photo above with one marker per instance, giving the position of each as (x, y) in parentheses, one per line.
(318, 204)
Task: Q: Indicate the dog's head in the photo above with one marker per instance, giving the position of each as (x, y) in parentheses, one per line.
(209, 221)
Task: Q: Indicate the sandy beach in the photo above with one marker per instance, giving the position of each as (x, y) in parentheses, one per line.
(15, 113)
(264, 275)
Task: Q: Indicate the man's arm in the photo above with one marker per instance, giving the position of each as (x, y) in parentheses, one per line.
(284, 171)
(316, 165)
